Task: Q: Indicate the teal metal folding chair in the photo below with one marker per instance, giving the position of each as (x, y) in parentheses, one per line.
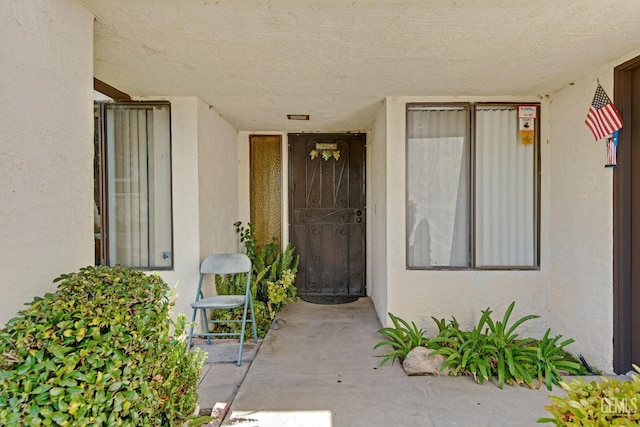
(223, 265)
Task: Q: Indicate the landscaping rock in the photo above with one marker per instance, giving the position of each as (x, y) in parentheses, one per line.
(418, 362)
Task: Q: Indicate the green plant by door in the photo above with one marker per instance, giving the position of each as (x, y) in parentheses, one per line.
(273, 278)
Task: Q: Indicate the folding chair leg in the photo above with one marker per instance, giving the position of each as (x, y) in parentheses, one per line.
(244, 325)
(206, 325)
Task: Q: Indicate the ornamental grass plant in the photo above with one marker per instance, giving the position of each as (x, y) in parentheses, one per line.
(493, 349)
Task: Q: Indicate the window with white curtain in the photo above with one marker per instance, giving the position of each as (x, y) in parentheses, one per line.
(137, 227)
(472, 198)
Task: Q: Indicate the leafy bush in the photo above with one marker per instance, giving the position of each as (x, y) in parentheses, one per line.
(98, 351)
(492, 349)
(597, 403)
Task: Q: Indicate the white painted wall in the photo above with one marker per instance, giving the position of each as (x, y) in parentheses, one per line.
(218, 182)
(417, 295)
(377, 213)
(46, 146)
(581, 222)
(218, 205)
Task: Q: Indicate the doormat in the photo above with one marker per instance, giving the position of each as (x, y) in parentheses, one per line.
(329, 299)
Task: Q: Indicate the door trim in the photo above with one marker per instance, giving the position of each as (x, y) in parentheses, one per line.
(622, 339)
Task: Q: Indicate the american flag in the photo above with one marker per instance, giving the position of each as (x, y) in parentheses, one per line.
(603, 118)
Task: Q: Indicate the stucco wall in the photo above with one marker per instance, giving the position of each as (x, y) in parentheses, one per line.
(46, 146)
(417, 295)
(581, 229)
(377, 213)
(218, 182)
(580, 282)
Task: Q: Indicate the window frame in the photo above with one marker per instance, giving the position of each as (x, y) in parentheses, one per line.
(104, 181)
(472, 108)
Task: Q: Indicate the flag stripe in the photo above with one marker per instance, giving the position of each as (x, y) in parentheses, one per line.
(594, 124)
(613, 117)
(603, 118)
(604, 122)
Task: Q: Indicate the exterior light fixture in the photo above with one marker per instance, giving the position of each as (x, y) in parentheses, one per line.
(298, 116)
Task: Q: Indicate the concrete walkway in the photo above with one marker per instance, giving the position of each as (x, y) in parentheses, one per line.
(319, 369)
(220, 377)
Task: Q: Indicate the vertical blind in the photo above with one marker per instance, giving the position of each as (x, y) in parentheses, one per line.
(139, 185)
(505, 208)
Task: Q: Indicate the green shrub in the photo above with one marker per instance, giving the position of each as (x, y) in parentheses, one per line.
(98, 351)
(608, 402)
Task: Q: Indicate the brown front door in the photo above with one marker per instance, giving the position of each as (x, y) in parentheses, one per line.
(327, 212)
(626, 210)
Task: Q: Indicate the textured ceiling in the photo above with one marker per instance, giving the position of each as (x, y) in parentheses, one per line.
(255, 61)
